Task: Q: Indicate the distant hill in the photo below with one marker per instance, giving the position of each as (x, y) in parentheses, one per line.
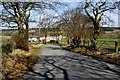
(110, 28)
(35, 31)
(17, 29)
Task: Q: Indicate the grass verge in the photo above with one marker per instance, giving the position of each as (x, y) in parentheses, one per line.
(113, 58)
(18, 62)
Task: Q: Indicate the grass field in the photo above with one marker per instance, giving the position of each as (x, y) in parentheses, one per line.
(107, 43)
(102, 43)
(108, 36)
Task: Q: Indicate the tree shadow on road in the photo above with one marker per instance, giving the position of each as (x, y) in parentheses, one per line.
(47, 75)
(53, 48)
(72, 62)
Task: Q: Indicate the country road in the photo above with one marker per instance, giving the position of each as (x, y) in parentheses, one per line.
(57, 64)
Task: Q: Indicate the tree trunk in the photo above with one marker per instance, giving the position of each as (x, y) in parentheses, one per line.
(96, 33)
(27, 35)
(45, 38)
(93, 44)
(23, 38)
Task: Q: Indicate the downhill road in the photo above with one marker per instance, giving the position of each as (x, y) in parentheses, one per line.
(57, 64)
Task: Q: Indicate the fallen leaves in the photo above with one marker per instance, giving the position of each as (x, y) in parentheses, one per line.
(17, 63)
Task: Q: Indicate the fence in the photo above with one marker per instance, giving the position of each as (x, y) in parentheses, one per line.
(110, 45)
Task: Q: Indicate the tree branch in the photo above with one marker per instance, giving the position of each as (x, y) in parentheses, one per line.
(12, 4)
(18, 9)
(7, 9)
(89, 14)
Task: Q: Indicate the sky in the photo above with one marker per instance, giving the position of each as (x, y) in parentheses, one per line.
(113, 15)
(73, 4)
(36, 15)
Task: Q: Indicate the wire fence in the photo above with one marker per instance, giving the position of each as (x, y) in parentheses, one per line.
(106, 44)
(110, 46)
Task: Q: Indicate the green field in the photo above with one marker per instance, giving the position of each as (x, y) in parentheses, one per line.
(107, 43)
(108, 36)
(108, 40)
(101, 43)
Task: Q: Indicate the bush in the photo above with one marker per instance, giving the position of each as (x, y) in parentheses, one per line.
(15, 38)
(7, 46)
(20, 43)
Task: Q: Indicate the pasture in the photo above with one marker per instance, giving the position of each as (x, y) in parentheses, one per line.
(101, 43)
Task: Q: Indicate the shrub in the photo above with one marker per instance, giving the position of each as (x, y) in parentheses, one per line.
(7, 46)
(20, 43)
(15, 38)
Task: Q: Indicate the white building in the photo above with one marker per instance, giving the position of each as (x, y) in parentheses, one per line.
(51, 38)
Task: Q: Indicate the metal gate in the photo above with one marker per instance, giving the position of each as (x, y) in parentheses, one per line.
(108, 46)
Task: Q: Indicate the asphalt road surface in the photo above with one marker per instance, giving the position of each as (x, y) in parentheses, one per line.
(57, 64)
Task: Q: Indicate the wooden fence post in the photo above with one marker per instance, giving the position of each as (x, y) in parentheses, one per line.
(116, 46)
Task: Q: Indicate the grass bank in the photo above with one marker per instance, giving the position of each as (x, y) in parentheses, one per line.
(18, 62)
(113, 58)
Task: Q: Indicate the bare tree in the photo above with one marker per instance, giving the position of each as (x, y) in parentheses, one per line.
(75, 25)
(68, 23)
(45, 23)
(96, 12)
(19, 13)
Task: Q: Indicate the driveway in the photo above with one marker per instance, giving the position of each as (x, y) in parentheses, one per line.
(57, 64)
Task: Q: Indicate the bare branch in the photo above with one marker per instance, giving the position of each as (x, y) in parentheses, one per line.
(7, 9)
